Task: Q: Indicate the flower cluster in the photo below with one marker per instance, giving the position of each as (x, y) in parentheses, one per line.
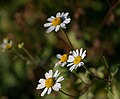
(73, 60)
(68, 62)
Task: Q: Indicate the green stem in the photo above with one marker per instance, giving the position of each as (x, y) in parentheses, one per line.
(67, 38)
(97, 76)
(107, 67)
(106, 64)
(77, 76)
(30, 56)
(67, 94)
(20, 55)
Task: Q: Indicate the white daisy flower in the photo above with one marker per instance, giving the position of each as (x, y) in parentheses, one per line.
(63, 60)
(55, 23)
(75, 59)
(50, 83)
(6, 44)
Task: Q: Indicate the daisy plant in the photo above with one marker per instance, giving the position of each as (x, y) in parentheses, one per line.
(6, 44)
(55, 23)
(75, 59)
(51, 82)
(62, 60)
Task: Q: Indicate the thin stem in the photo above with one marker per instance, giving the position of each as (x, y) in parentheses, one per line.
(30, 56)
(106, 64)
(67, 94)
(107, 67)
(20, 55)
(97, 76)
(77, 76)
(67, 38)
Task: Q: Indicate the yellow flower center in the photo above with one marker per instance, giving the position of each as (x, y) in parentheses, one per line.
(8, 46)
(77, 59)
(63, 58)
(49, 82)
(56, 21)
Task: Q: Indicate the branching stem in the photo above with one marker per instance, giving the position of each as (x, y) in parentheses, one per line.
(67, 94)
(66, 36)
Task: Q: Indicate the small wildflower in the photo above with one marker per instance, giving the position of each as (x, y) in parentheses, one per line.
(75, 60)
(57, 22)
(50, 83)
(20, 45)
(63, 60)
(6, 44)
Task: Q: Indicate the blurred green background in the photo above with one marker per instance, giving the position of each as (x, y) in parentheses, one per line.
(95, 26)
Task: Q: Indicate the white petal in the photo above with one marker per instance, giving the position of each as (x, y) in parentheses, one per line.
(62, 14)
(47, 24)
(66, 21)
(56, 74)
(47, 75)
(41, 80)
(41, 86)
(70, 52)
(84, 54)
(63, 64)
(44, 92)
(62, 25)
(50, 29)
(70, 58)
(58, 14)
(50, 19)
(56, 87)
(57, 28)
(50, 73)
(58, 63)
(66, 14)
(58, 56)
(81, 50)
(77, 52)
(70, 64)
(60, 79)
(72, 67)
(74, 54)
(81, 64)
(49, 90)
(76, 66)
(11, 42)
(5, 40)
